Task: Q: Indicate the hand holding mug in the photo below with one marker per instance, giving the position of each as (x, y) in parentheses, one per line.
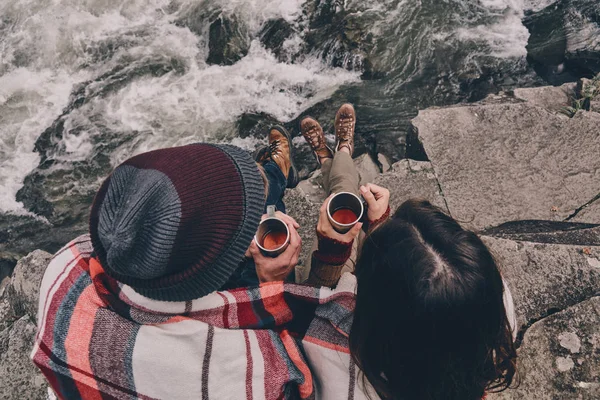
(325, 227)
(277, 254)
(377, 199)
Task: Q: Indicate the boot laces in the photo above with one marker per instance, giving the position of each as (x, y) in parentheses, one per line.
(274, 148)
(345, 127)
(315, 138)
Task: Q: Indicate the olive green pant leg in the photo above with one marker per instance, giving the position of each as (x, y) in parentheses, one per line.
(340, 174)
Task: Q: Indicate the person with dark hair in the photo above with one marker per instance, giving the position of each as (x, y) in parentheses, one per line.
(432, 318)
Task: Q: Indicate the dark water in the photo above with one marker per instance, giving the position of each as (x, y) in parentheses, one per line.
(86, 84)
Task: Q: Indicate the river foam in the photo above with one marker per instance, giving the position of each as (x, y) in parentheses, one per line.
(48, 48)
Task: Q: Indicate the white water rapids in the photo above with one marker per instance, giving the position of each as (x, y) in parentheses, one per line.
(48, 47)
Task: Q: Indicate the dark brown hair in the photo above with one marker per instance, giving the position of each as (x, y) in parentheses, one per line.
(430, 321)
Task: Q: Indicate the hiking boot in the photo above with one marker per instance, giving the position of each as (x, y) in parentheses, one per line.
(345, 121)
(313, 133)
(281, 152)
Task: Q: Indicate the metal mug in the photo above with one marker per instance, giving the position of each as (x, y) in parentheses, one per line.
(344, 202)
(269, 227)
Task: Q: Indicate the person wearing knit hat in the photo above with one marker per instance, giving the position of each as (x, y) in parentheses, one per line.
(174, 223)
(168, 228)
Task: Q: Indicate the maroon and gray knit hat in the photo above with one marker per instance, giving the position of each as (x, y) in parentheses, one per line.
(174, 223)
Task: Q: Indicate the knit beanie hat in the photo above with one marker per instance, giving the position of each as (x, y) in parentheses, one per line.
(174, 223)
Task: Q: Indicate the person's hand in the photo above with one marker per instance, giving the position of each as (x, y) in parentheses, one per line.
(324, 227)
(378, 200)
(271, 269)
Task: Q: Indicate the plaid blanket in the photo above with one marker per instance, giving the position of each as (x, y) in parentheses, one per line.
(98, 339)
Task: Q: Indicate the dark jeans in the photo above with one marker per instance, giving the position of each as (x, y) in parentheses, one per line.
(277, 184)
(245, 274)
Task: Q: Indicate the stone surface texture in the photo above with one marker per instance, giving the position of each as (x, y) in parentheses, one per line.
(550, 97)
(502, 162)
(546, 277)
(18, 311)
(560, 356)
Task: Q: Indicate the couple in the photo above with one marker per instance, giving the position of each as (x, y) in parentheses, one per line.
(157, 302)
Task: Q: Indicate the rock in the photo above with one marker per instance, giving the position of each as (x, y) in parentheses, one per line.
(590, 212)
(367, 169)
(582, 30)
(8, 260)
(306, 213)
(313, 188)
(550, 370)
(564, 41)
(512, 161)
(20, 378)
(411, 179)
(545, 277)
(255, 125)
(547, 41)
(23, 291)
(18, 311)
(274, 34)
(339, 33)
(552, 98)
(384, 162)
(228, 41)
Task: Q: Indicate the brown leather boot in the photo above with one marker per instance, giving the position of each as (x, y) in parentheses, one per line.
(313, 133)
(280, 151)
(345, 121)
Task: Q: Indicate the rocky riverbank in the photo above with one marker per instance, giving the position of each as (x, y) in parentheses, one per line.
(513, 167)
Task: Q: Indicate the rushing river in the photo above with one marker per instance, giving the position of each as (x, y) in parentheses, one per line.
(85, 84)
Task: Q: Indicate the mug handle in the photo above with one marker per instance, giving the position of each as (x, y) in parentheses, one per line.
(271, 211)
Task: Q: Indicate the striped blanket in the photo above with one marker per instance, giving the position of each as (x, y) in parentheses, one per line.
(98, 339)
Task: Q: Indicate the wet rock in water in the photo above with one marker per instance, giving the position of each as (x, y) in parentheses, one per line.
(18, 312)
(255, 125)
(341, 36)
(228, 41)
(33, 196)
(512, 161)
(565, 40)
(560, 356)
(582, 28)
(274, 34)
(547, 41)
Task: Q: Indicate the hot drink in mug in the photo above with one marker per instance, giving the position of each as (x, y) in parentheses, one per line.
(344, 210)
(273, 235)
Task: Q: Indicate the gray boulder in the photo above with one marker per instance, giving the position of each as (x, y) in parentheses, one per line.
(18, 312)
(20, 378)
(512, 161)
(560, 356)
(546, 277)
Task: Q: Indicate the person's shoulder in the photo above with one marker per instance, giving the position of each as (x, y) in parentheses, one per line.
(71, 260)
